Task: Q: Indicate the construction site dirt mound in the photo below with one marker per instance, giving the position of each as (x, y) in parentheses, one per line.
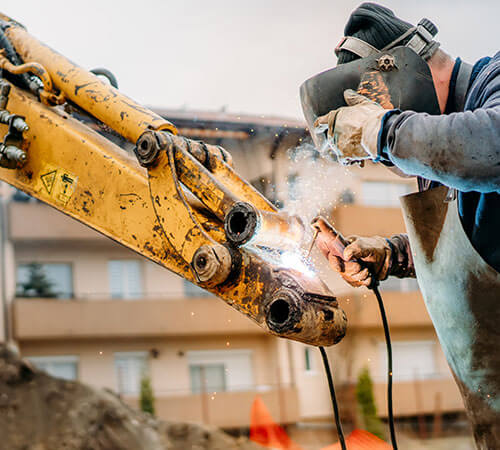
(40, 412)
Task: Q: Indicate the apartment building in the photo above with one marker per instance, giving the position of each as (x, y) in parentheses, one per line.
(109, 316)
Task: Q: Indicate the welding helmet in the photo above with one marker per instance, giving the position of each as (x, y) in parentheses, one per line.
(396, 77)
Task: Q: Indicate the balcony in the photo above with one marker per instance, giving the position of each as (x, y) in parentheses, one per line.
(226, 409)
(81, 319)
(420, 397)
(368, 221)
(404, 309)
(431, 396)
(32, 221)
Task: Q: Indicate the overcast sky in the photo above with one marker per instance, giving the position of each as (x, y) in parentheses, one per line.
(249, 56)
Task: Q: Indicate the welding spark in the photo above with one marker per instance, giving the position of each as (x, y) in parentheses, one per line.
(290, 260)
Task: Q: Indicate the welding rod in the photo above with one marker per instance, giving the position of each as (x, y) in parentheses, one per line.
(315, 235)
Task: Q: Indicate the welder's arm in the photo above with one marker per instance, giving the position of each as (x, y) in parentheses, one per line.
(460, 150)
(401, 264)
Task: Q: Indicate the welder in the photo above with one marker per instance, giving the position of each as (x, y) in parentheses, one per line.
(453, 222)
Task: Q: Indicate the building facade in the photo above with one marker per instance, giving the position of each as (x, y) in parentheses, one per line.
(83, 307)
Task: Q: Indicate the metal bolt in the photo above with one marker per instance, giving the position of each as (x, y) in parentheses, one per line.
(20, 125)
(386, 63)
(12, 156)
(212, 264)
(147, 149)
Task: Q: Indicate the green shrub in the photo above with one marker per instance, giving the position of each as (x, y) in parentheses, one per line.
(37, 285)
(147, 400)
(366, 403)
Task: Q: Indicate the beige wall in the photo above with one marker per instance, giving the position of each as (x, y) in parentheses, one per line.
(7, 269)
(314, 398)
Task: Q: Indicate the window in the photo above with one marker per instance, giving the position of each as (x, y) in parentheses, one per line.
(293, 186)
(192, 290)
(207, 378)
(347, 197)
(412, 360)
(22, 197)
(220, 370)
(130, 367)
(45, 280)
(309, 365)
(65, 367)
(125, 279)
(383, 194)
(399, 284)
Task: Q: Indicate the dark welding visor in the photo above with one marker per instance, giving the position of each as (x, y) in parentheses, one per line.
(396, 79)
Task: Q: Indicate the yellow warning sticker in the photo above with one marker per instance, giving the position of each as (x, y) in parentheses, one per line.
(48, 180)
(58, 184)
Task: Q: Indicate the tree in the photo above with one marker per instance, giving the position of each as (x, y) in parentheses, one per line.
(37, 285)
(147, 400)
(366, 403)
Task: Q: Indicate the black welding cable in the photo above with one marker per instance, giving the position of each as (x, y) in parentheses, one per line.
(388, 344)
(340, 433)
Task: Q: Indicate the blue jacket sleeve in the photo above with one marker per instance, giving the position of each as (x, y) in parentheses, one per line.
(460, 150)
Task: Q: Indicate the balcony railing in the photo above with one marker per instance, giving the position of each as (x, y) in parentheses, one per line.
(59, 319)
(225, 409)
(403, 309)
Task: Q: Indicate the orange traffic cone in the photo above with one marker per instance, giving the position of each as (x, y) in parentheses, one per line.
(361, 440)
(265, 431)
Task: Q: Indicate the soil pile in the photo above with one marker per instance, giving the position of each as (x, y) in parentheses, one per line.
(39, 412)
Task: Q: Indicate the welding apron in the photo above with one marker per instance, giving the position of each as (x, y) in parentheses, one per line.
(462, 295)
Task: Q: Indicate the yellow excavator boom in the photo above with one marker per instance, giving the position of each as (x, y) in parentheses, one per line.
(173, 200)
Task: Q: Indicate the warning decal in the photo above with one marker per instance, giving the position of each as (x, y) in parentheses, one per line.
(48, 180)
(58, 184)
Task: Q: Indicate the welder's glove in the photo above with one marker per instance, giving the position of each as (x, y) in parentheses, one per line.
(353, 130)
(362, 258)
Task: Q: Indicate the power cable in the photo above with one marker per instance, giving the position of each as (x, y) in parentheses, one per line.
(340, 432)
(390, 412)
(385, 324)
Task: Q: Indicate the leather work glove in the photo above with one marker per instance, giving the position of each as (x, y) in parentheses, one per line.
(374, 254)
(353, 130)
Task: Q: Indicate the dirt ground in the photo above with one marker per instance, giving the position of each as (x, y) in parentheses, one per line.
(315, 438)
(38, 412)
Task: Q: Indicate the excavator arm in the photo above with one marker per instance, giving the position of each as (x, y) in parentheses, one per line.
(173, 200)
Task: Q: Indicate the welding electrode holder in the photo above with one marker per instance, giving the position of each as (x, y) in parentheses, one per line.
(340, 242)
(339, 245)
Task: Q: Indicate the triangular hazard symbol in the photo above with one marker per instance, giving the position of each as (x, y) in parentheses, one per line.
(48, 180)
